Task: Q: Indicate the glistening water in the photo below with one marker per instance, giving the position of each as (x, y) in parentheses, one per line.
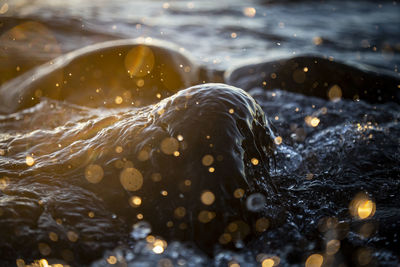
(106, 158)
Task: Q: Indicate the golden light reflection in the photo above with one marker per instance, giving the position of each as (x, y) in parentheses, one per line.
(233, 264)
(143, 154)
(249, 12)
(119, 149)
(312, 121)
(207, 197)
(118, 100)
(156, 177)
(135, 201)
(365, 209)
(225, 238)
(268, 263)
(150, 238)
(43, 263)
(278, 140)
(335, 93)
(206, 216)
(94, 173)
(362, 207)
(4, 182)
(139, 62)
(267, 260)
(332, 247)
(20, 263)
(317, 40)
(255, 161)
(238, 193)
(72, 236)
(112, 260)
(53, 236)
(158, 249)
(140, 83)
(29, 161)
(207, 160)
(169, 145)
(131, 179)
(157, 245)
(314, 260)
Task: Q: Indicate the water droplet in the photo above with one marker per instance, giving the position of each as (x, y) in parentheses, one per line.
(118, 100)
(207, 160)
(206, 216)
(72, 236)
(112, 260)
(131, 179)
(254, 161)
(94, 173)
(207, 197)
(255, 202)
(249, 12)
(169, 145)
(315, 260)
(135, 201)
(238, 193)
(29, 161)
(180, 212)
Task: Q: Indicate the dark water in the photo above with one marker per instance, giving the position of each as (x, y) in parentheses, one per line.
(84, 180)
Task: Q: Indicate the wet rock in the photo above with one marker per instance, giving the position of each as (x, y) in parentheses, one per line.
(316, 76)
(198, 149)
(109, 74)
(185, 165)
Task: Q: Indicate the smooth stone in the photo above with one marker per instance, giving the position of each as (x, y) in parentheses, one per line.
(97, 75)
(365, 83)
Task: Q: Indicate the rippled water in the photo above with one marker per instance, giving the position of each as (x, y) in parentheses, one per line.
(328, 191)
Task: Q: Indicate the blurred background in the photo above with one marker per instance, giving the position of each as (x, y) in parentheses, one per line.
(218, 34)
